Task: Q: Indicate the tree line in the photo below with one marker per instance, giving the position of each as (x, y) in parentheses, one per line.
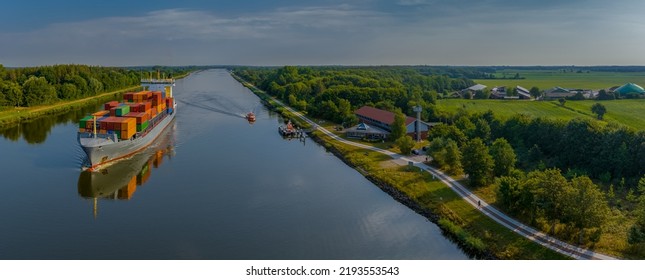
(567, 174)
(334, 93)
(31, 86)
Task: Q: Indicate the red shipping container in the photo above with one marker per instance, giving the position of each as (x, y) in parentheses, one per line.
(110, 105)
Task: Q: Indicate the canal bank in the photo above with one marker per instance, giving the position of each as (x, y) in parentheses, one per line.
(13, 117)
(474, 232)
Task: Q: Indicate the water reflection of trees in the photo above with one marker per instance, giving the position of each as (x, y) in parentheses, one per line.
(36, 131)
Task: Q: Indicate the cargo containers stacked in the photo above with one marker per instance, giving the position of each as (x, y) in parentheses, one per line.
(140, 107)
(126, 119)
(137, 96)
(120, 111)
(142, 120)
(130, 125)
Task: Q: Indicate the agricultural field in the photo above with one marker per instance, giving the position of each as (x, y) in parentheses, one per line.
(629, 112)
(546, 79)
(507, 108)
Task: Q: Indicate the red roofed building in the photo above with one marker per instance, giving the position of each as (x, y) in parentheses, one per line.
(384, 119)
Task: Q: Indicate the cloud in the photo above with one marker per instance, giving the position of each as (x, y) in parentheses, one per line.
(488, 32)
(184, 32)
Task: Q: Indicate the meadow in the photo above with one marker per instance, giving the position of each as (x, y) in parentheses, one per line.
(546, 79)
(629, 112)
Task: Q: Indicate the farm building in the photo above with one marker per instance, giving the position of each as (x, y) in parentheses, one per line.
(629, 88)
(523, 93)
(472, 90)
(374, 119)
(498, 92)
(558, 92)
(501, 93)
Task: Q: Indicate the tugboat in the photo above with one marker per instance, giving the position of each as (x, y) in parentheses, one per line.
(250, 117)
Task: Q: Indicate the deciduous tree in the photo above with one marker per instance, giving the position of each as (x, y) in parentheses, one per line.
(38, 91)
(477, 163)
(599, 110)
(586, 206)
(503, 156)
(398, 126)
(453, 158)
(551, 190)
(13, 93)
(405, 144)
(535, 92)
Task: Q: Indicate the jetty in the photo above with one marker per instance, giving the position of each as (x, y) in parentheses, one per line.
(290, 131)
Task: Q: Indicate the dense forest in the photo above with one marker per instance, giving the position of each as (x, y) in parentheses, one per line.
(334, 92)
(30, 86)
(577, 179)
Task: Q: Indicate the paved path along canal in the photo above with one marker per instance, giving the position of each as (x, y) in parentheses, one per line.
(488, 210)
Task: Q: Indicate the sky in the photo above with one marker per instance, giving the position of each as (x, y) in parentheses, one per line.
(322, 32)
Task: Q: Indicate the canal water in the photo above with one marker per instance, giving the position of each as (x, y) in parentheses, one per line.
(212, 187)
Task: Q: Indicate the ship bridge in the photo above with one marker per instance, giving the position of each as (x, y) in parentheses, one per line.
(163, 85)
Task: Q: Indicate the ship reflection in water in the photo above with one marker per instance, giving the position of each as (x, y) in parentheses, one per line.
(120, 180)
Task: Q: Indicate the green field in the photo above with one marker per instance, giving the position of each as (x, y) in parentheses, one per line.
(546, 79)
(629, 112)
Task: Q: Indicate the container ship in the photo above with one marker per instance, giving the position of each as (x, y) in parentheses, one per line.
(123, 128)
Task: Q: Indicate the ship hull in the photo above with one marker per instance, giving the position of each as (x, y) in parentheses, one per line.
(102, 150)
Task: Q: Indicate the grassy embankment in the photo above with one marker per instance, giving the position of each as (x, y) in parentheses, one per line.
(473, 231)
(13, 116)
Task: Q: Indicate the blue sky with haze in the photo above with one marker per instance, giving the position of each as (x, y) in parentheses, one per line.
(323, 32)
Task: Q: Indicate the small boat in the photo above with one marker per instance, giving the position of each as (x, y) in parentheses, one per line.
(288, 130)
(250, 117)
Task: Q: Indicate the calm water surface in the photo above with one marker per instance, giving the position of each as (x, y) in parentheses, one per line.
(212, 187)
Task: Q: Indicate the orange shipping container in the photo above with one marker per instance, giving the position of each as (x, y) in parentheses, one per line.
(148, 106)
(101, 113)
